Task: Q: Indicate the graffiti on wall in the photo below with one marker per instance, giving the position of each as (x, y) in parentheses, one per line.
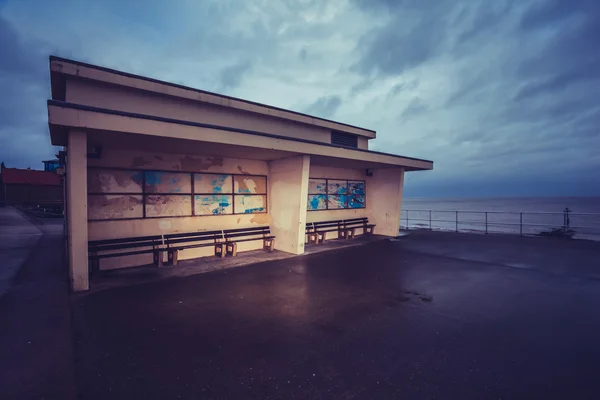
(335, 194)
(118, 194)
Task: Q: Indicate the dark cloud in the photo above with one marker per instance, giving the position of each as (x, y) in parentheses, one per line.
(24, 79)
(415, 107)
(325, 106)
(231, 77)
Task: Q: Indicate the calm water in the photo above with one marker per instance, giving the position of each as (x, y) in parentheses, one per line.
(504, 214)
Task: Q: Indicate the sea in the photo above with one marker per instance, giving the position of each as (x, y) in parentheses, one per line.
(516, 215)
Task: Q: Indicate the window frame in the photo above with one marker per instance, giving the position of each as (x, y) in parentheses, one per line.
(326, 194)
(144, 194)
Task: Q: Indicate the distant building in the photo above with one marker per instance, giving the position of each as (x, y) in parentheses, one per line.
(27, 187)
(51, 165)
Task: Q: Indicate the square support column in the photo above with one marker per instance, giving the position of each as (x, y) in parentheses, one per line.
(76, 204)
(288, 195)
(384, 200)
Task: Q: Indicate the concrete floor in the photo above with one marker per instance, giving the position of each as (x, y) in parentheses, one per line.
(432, 315)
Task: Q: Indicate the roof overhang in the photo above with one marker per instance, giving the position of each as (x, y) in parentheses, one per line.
(60, 68)
(102, 123)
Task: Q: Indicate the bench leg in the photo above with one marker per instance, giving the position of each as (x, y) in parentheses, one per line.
(220, 250)
(268, 244)
(95, 263)
(157, 258)
(173, 254)
(322, 236)
(231, 249)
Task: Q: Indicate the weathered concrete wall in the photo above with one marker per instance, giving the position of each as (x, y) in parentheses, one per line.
(135, 159)
(288, 191)
(112, 97)
(384, 200)
(317, 171)
(77, 223)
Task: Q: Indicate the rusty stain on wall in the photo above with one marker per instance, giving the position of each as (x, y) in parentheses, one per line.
(260, 219)
(200, 164)
(242, 170)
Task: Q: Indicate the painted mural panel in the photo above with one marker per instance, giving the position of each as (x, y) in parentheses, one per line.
(356, 201)
(110, 206)
(168, 182)
(356, 187)
(250, 204)
(213, 183)
(114, 181)
(317, 202)
(249, 184)
(337, 187)
(168, 205)
(335, 202)
(317, 186)
(213, 204)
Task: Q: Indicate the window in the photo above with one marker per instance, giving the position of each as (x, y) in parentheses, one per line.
(344, 139)
(126, 194)
(335, 194)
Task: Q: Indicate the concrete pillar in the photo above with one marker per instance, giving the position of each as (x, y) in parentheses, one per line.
(288, 194)
(384, 200)
(76, 202)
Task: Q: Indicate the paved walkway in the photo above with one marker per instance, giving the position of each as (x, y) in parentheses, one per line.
(18, 237)
(36, 345)
(432, 315)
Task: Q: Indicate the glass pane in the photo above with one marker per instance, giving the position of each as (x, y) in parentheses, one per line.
(213, 183)
(115, 206)
(356, 201)
(250, 184)
(337, 186)
(250, 204)
(317, 186)
(168, 182)
(168, 205)
(213, 205)
(336, 202)
(356, 187)
(114, 181)
(317, 202)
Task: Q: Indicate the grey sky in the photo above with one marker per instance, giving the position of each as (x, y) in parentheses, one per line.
(502, 95)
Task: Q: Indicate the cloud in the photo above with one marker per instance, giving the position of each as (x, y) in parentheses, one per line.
(324, 107)
(498, 93)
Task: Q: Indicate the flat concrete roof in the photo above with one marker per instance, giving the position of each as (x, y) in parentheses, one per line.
(68, 115)
(61, 67)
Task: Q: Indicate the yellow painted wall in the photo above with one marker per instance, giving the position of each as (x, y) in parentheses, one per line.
(317, 171)
(122, 158)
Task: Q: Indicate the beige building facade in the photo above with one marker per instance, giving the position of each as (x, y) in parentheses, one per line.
(145, 157)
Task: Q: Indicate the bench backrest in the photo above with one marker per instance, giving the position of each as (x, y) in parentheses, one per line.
(356, 221)
(124, 243)
(328, 224)
(243, 232)
(175, 238)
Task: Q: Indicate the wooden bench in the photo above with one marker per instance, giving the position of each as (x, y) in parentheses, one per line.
(191, 240)
(350, 226)
(106, 248)
(235, 236)
(320, 230)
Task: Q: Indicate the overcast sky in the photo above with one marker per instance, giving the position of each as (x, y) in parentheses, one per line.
(504, 96)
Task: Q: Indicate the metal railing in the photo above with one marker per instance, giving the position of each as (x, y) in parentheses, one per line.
(566, 224)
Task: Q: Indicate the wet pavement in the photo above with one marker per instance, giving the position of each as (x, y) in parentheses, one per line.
(432, 315)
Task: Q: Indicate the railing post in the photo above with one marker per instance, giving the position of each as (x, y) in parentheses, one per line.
(457, 221)
(521, 224)
(429, 219)
(486, 224)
